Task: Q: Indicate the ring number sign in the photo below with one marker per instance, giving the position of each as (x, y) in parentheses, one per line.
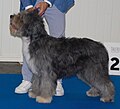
(114, 58)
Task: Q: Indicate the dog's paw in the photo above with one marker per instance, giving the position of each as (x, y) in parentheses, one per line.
(106, 99)
(31, 94)
(40, 99)
(93, 92)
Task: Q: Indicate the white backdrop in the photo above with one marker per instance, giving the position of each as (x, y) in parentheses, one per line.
(10, 47)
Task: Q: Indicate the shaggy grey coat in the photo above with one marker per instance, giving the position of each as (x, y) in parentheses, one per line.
(52, 58)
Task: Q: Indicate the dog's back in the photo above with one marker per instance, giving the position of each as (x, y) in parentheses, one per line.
(69, 54)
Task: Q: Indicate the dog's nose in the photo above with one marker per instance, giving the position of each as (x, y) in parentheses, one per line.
(11, 16)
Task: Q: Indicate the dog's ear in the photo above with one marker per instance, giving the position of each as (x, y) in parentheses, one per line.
(32, 11)
(35, 12)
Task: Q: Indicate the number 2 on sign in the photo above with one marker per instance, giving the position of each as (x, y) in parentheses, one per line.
(114, 65)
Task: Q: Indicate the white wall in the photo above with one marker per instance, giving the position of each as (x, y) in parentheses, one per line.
(10, 48)
(97, 19)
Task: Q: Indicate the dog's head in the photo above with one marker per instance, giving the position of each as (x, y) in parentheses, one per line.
(25, 24)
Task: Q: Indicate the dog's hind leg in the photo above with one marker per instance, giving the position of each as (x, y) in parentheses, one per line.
(93, 92)
(106, 88)
(96, 76)
(87, 75)
(103, 83)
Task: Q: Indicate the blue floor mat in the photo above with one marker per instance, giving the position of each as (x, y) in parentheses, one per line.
(74, 98)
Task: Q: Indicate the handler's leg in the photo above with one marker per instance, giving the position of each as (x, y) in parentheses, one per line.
(56, 24)
(26, 82)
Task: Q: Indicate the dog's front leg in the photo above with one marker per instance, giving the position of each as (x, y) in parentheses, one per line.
(41, 99)
(40, 90)
(43, 86)
(47, 88)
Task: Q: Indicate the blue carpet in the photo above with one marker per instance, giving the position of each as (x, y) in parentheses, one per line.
(74, 98)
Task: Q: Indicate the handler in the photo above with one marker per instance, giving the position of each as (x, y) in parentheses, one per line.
(54, 12)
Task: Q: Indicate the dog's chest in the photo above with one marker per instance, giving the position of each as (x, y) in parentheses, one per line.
(25, 48)
(26, 54)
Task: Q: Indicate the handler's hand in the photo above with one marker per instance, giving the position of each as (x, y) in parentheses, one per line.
(42, 6)
(30, 9)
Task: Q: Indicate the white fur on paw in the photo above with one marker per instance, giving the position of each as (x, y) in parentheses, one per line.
(40, 99)
(31, 95)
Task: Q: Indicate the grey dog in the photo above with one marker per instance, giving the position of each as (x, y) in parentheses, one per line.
(52, 58)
